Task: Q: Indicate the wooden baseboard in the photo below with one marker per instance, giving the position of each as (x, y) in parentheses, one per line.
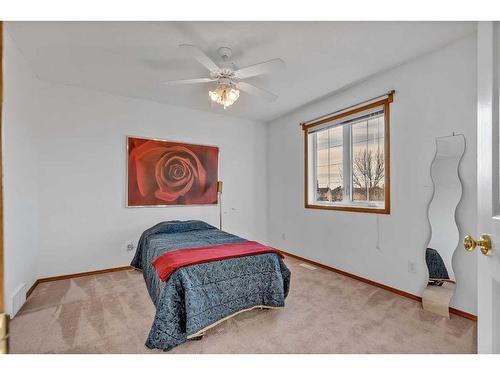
(352, 276)
(374, 283)
(74, 275)
(30, 290)
(461, 313)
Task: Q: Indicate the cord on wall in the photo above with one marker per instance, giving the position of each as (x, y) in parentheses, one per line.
(377, 245)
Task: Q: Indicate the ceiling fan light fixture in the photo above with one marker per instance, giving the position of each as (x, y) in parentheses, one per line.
(224, 95)
(229, 78)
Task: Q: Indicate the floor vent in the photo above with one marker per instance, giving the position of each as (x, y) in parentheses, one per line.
(18, 299)
(308, 266)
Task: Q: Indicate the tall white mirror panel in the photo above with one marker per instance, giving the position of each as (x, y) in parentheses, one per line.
(444, 238)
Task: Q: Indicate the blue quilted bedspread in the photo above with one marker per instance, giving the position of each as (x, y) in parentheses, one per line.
(197, 296)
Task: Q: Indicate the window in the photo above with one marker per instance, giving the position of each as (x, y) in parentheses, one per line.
(347, 160)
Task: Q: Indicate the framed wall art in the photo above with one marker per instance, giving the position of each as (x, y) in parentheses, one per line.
(163, 173)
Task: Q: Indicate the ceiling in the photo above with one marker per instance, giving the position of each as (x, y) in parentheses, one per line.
(132, 58)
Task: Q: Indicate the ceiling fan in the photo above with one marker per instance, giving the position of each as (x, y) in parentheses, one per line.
(230, 80)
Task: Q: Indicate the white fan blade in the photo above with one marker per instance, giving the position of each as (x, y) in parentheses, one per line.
(188, 81)
(251, 89)
(258, 69)
(201, 56)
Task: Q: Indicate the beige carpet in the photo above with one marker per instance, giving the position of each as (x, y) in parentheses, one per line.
(325, 313)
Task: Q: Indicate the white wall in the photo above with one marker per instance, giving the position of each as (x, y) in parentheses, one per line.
(65, 174)
(64, 161)
(84, 224)
(20, 177)
(436, 95)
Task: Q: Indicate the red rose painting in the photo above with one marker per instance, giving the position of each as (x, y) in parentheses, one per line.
(170, 173)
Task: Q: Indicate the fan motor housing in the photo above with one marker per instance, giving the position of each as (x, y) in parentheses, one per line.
(225, 53)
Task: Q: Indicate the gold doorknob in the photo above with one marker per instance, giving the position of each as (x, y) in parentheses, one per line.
(484, 243)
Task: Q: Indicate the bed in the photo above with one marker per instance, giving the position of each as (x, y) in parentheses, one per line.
(197, 297)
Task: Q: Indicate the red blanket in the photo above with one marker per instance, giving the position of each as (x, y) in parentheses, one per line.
(167, 263)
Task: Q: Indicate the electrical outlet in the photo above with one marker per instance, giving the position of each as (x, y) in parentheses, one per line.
(412, 267)
(283, 236)
(130, 246)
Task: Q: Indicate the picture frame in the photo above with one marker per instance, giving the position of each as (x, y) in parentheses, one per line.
(164, 173)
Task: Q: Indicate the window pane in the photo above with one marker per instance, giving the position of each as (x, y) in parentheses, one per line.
(368, 174)
(346, 161)
(359, 132)
(376, 127)
(329, 156)
(322, 157)
(335, 155)
(322, 139)
(322, 176)
(337, 193)
(377, 175)
(336, 136)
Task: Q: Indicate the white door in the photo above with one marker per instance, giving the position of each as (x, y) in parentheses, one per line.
(488, 202)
